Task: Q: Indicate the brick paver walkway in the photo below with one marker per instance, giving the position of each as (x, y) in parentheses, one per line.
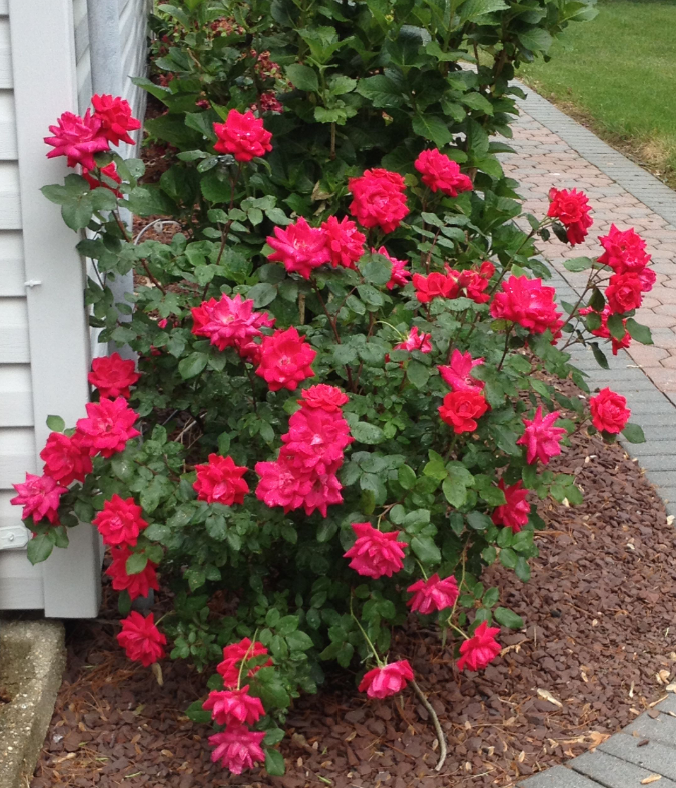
(553, 150)
(544, 159)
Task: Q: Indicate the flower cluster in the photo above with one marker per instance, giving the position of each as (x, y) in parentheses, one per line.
(471, 283)
(528, 303)
(441, 173)
(231, 322)
(243, 136)
(304, 473)
(237, 747)
(572, 209)
(79, 138)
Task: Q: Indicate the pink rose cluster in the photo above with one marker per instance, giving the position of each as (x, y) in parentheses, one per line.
(67, 457)
(304, 473)
(471, 283)
(528, 303)
(237, 747)
(282, 359)
(625, 253)
(79, 138)
(572, 209)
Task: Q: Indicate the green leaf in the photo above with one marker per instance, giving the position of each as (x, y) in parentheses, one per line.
(633, 433)
(299, 641)
(432, 128)
(192, 365)
(537, 40)
(262, 294)
(56, 423)
(407, 477)
(363, 432)
(418, 374)
(577, 264)
(616, 327)
(381, 91)
(638, 332)
(426, 550)
(599, 355)
(507, 618)
(274, 763)
(39, 548)
(479, 521)
(473, 9)
(77, 212)
(508, 558)
(196, 713)
(136, 563)
(378, 270)
(454, 491)
(302, 77)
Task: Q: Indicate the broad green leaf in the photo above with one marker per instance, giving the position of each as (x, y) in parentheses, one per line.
(302, 77)
(426, 550)
(39, 548)
(56, 423)
(508, 618)
(363, 432)
(638, 332)
(432, 128)
(633, 433)
(192, 365)
(274, 763)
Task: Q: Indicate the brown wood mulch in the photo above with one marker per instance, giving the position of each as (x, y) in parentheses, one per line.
(599, 648)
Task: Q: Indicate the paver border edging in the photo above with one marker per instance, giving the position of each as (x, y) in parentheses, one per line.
(634, 179)
(651, 408)
(33, 658)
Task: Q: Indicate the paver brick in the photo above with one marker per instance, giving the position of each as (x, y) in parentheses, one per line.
(660, 729)
(558, 777)
(613, 772)
(654, 756)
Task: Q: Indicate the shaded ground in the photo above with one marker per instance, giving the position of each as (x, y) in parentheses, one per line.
(599, 610)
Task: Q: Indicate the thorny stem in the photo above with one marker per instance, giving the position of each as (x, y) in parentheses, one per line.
(437, 727)
(152, 278)
(504, 354)
(120, 224)
(253, 391)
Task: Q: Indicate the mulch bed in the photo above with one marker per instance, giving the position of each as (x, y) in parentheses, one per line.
(599, 609)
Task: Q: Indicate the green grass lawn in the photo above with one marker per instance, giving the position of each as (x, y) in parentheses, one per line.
(619, 73)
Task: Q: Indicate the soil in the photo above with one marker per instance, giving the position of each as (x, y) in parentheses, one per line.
(597, 650)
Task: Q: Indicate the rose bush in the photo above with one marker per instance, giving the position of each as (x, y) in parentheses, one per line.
(338, 417)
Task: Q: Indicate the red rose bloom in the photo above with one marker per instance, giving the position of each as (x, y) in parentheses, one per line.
(231, 666)
(234, 707)
(78, 139)
(316, 440)
(441, 173)
(514, 513)
(458, 374)
(230, 322)
(108, 426)
(461, 409)
(285, 360)
(624, 293)
(624, 251)
(416, 340)
(479, 651)
(136, 585)
(112, 375)
(436, 285)
(609, 411)
(299, 247)
(375, 553)
(243, 136)
(388, 680)
(65, 461)
(220, 481)
(379, 199)
(526, 302)
(433, 594)
(344, 242)
(141, 639)
(328, 398)
(39, 496)
(237, 748)
(541, 438)
(116, 119)
(120, 521)
(572, 209)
